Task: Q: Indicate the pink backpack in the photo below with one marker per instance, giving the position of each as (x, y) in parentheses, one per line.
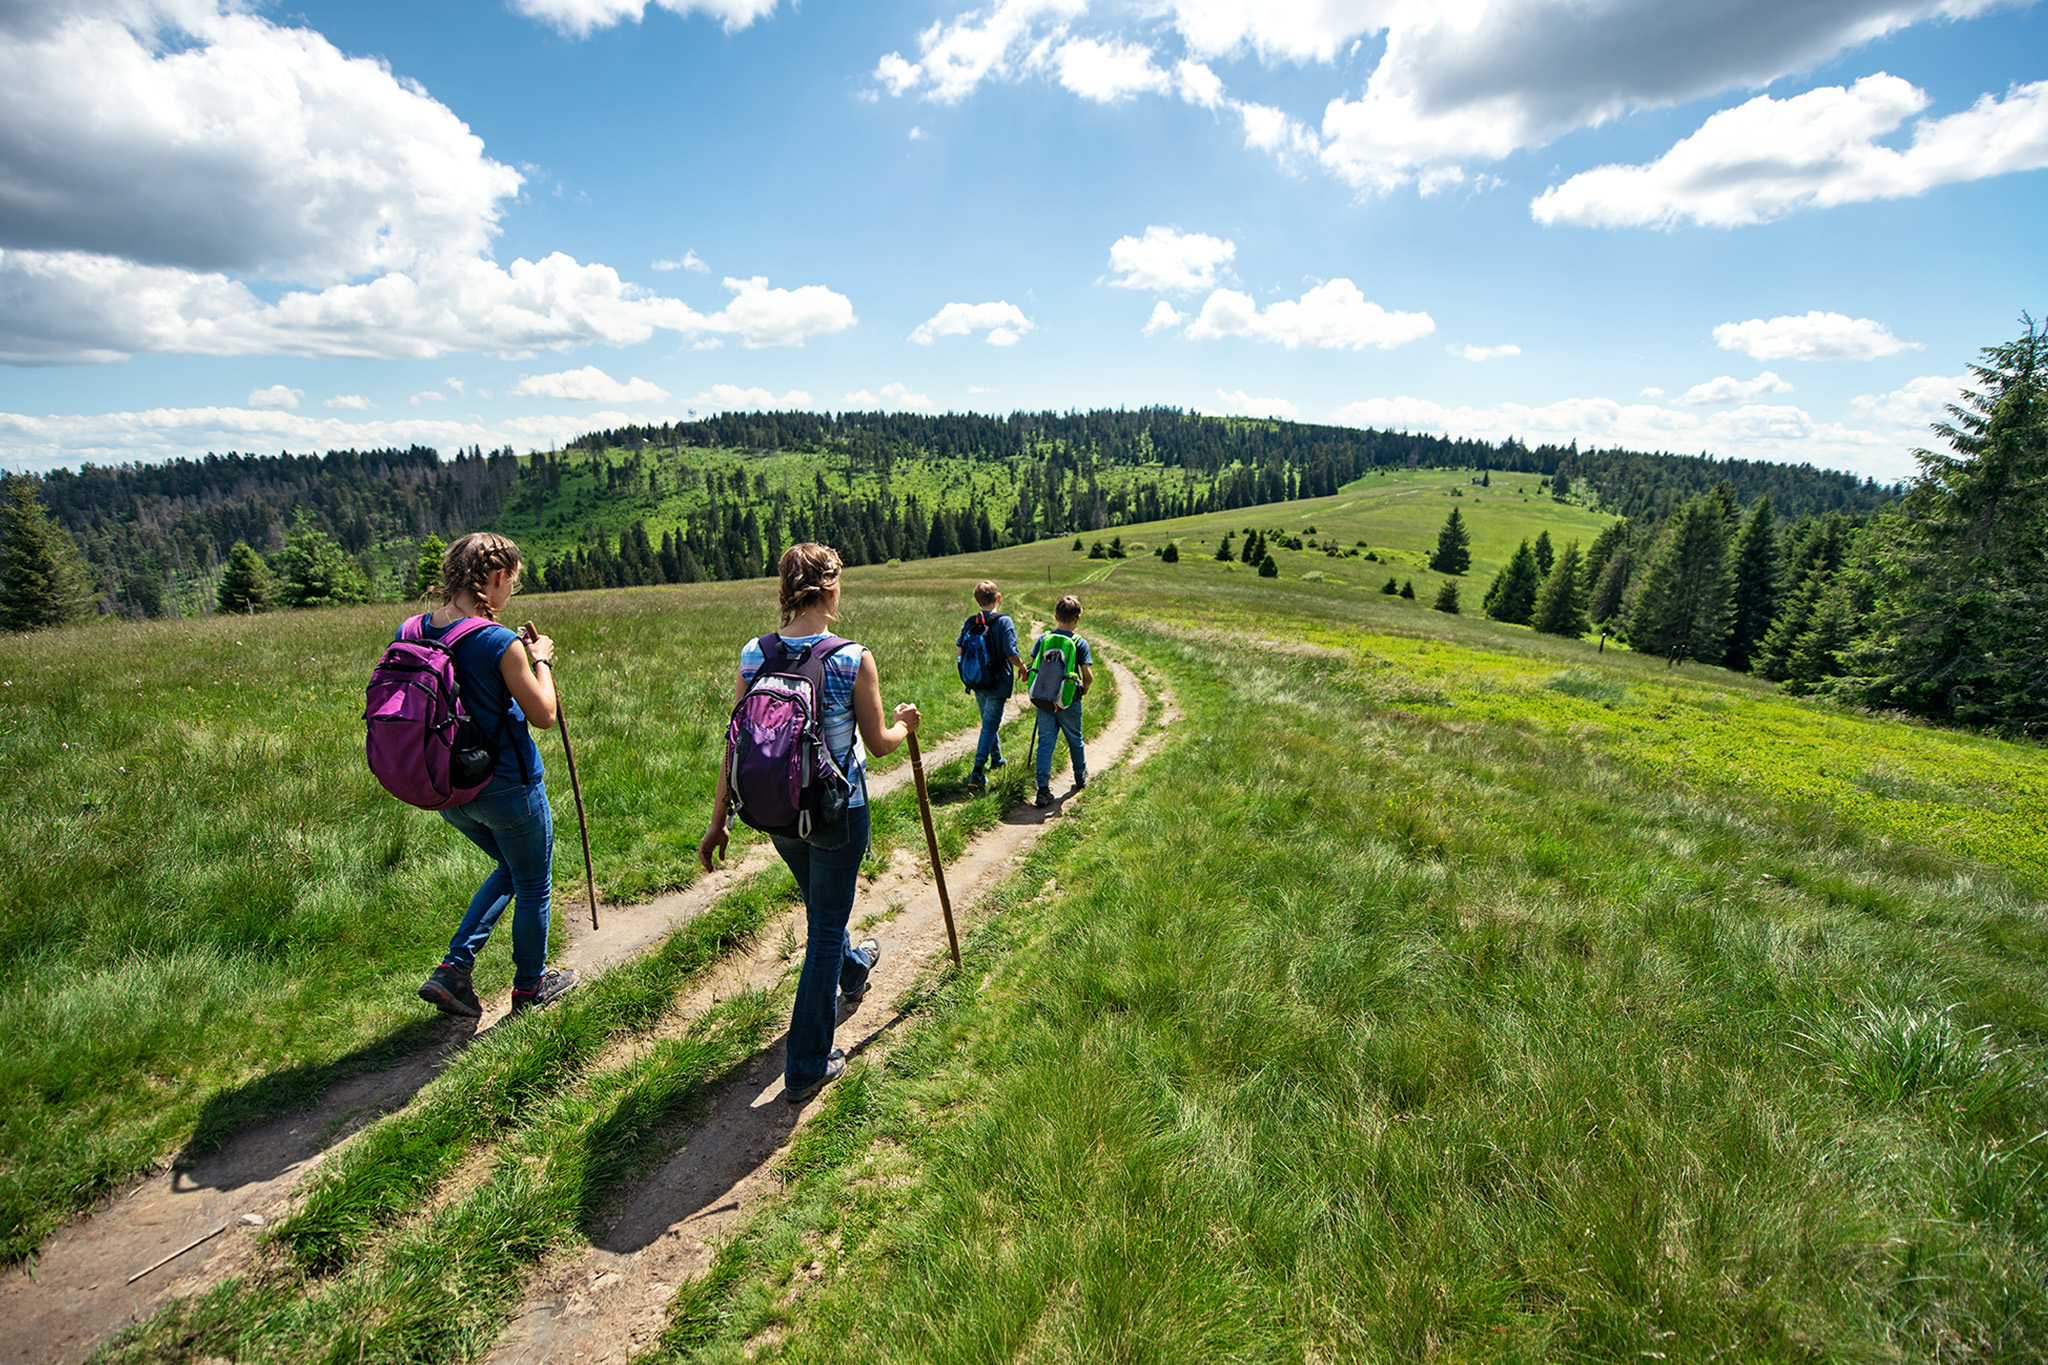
(423, 744)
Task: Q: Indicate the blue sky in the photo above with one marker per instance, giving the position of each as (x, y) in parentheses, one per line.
(1761, 229)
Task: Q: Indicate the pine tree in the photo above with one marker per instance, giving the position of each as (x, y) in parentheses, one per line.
(1512, 597)
(426, 571)
(1610, 590)
(247, 584)
(313, 572)
(1171, 554)
(1958, 581)
(1561, 486)
(1391, 588)
(1268, 568)
(1546, 557)
(1686, 596)
(1817, 654)
(43, 578)
(1774, 653)
(1254, 546)
(1453, 546)
(1223, 551)
(1756, 586)
(1407, 588)
(1447, 597)
(1561, 605)
(1603, 549)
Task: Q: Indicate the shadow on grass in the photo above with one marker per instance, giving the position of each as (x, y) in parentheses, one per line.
(262, 1128)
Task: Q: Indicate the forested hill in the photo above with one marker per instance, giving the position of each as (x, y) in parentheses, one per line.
(888, 485)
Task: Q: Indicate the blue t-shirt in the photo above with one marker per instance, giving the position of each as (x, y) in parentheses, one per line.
(478, 657)
(1001, 643)
(836, 726)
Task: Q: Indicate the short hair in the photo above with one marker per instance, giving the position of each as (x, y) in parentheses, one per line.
(809, 571)
(1067, 609)
(986, 593)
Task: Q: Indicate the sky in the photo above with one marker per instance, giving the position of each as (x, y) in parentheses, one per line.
(1764, 229)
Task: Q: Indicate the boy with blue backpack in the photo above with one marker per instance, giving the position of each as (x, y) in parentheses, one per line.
(1061, 673)
(986, 654)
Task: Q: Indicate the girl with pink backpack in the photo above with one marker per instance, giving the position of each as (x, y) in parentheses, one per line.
(507, 683)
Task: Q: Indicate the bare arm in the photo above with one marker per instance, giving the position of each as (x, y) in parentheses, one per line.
(867, 711)
(715, 836)
(528, 668)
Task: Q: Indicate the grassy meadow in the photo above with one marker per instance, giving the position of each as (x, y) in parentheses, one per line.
(1438, 991)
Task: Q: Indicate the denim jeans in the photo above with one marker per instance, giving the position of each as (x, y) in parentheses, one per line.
(514, 826)
(990, 750)
(827, 869)
(1066, 720)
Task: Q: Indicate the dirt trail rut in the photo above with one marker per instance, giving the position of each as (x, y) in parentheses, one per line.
(607, 1302)
(182, 1230)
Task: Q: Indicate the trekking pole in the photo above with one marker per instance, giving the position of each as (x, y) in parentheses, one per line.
(931, 838)
(582, 825)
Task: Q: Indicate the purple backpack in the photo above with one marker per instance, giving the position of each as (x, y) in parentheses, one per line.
(423, 744)
(779, 774)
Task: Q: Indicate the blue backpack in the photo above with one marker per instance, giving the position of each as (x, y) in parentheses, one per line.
(977, 671)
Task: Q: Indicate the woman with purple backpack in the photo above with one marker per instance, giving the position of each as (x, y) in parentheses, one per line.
(826, 862)
(507, 684)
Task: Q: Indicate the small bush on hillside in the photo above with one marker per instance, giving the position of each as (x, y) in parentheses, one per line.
(1268, 569)
(1446, 598)
(1408, 590)
(1095, 551)
(1171, 554)
(1391, 588)
(1116, 548)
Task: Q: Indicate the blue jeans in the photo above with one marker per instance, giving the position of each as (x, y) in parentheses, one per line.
(1066, 720)
(990, 750)
(513, 826)
(827, 869)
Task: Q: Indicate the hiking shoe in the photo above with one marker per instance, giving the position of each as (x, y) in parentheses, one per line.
(1043, 799)
(998, 763)
(553, 986)
(835, 1066)
(448, 990)
(873, 948)
(1080, 781)
(977, 779)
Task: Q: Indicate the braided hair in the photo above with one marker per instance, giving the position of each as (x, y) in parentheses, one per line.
(469, 563)
(809, 571)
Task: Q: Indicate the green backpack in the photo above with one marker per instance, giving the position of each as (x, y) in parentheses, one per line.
(1055, 670)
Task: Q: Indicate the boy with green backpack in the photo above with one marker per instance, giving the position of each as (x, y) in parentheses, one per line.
(1061, 673)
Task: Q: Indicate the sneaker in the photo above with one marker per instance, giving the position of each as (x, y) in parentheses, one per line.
(998, 763)
(1043, 799)
(553, 986)
(1080, 781)
(977, 779)
(448, 990)
(873, 948)
(835, 1066)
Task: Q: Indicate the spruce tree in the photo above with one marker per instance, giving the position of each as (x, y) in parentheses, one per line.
(1817, 653)
(1756, 586)
(426, 571)
(1171, 554)
(1610, 590)
(247, 584)
(1561, 605)
(1546, 557)
(1453, 546)
(1686, 596)
(1447, 597)
(1774, 653)
(1223, 551)
(43, 578)
(1391, 587)
(1268, 568)
(313, 571)
(1408, 589)
(1604, 547)
(1513, 595)
(1254, 546)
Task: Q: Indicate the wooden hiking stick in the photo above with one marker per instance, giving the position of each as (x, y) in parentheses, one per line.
(582, 825)
(931, 838)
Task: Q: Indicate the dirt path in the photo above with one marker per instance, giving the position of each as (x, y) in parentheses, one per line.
(607, 1302)
(183, 1230)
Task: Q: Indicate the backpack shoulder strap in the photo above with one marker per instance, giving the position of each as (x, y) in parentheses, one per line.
(463, 629)
(415, 628)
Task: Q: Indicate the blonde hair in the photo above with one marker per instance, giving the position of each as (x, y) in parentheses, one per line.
(1067, 609)
(986, 592)
(468, 564)
(809, 571)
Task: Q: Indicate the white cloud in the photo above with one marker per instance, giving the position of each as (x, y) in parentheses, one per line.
(1452, 84)
(782, 317)
(1812, 336)
(1477, 353)
(350, 402)
(1729, 389)
(1165, 317)
(426, 396)
(1653, 392)
(1333, 316)
(1238, 403)
(579, 18)
(589, 385)
(276, 396)
(1781, 433)
(733, 398)
(169, 433)
(1166, 260)
(1197, 84)
(1004, 323)
(691, 261)
(1108, 72)
(1770, 157)
(891, 396)
(1915, 405)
